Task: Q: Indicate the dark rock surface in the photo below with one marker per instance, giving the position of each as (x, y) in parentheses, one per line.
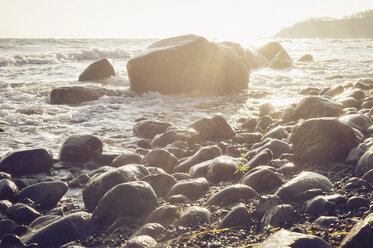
(216, 127)
(161, 159)
(192, 188)
(232, 194)
(316, 106)
(193, 216)
(149, 128)
(80, 148)
(100, 69)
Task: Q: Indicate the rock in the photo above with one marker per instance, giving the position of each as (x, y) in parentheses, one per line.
(368, 176)
(365, 163)
(316, 106)
(279, 216)
(187, 63)
(100, 69)
(274, 146)
(266, 202)
(355, 183)
(326, 221)
(80, 148)
(12, 240)
(71, 227)
(278, 132)
(200, 170)
(216, 127)
(140, 201)
(194, 216)
(75, 95)
(261, 158)
(250, 124)
(263, 123)
(360, 235)
(349, 102)
(161, 159)
(335, 91)
(99, 184)
(6, 227)
(144, 144)
(175, 199)
(356, 202)
(276, 55)
(288, 115)
(172, 135)
(4, 175)
(223, 168)
(232, 194)
(43, 221)
(323, 140)
(141, 241)
(322, 205)
(45, 194)
(8, 190)
(248, 138)
(263, 180)
(153, 230)
(305, 58)
(148, 129)
(266, 108)
(239, 216)
(304, 181)
(4, 205)
(127, 157)
(286, 239)
(26, 162)
(192, 188)
(203, 154)
(181, 176)
(22, 213)
(358, 94)
(161, 183)
(358, 121)
(163, 215)
(79, 182)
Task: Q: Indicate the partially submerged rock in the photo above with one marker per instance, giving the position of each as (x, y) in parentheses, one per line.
(80, 148)
(100, 69)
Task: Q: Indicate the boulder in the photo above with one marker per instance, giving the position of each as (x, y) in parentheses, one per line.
(100, 69)
(187, 63)
(127, 157)
(323, 140)
(71, 227)
(305, 58)
(302, 182)
(232, 194)
(140, 200)
(317, 106)
(279, 216)
(194, 216)
(200, 170)
(161, 159)
(322, 205)
(192, 188)
(276, 55)
(173, 134)
(141, 241)
(365, 163)
(99, 184)
(148, 128)
(326, 221)
(22, 213)
(27, 162)
(153, 230)
(161, 183)
(45, 194)
(360, 235)
(360, 122)
(239, 216)
(263, 180)
(80, 148)
(163, 215)
(216, 127)
(8, 190)
(223, 168)
(266, 203)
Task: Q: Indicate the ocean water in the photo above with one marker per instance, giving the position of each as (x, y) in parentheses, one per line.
(31, 68)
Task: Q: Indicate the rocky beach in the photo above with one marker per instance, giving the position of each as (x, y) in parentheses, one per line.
(189, 143)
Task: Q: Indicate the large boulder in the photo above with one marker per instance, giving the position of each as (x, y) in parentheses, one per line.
(26, 162)
(185, 64)
(80, 148)
(100, 69)
(317, 106)
(132, 199)
(72, 227)
(276, 55)
(323, 140)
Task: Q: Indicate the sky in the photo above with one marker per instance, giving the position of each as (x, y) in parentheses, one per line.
(219, 19)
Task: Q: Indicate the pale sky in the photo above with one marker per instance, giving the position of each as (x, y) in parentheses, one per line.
(222, 19)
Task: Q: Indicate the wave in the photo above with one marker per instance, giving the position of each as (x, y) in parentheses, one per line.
(60, 57)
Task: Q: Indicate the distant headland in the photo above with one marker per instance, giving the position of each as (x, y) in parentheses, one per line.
(359, 25)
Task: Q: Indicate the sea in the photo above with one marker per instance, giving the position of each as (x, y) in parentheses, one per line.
(31, 68)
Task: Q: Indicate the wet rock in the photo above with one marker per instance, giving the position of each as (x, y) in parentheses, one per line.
(148, 128)
(261, 158)
(127, 157)
(304, 181)
(44, 193)
(239, 216)
(100, 69)
(192, 188)
(153, 230)
(263, 180)
(79, 182)
(71, 227)
(4, 175)
(278, 132)
(4, 205)
(349, 102)
(263, 123)
(365, 163)
(216, 127)
(203, 154)
(181, 176)
(356, 202)
(6, 227)
(43, 221)
(200, 170)
(358, 94)
(305, 58)
(266, 202)
(358, 121)
(12, 240)
(360, 235)
(250, 124)
(286, 239)
(80, 148)
(99, 184)
(174, 66)
(279, 216)
(323, 140)
(163, 215)
(161, 183)
(276, 148)
(248, 138)
(161, 159)
(26, 162)
(368, 176)
(8, 190)
(140, 201)
(194, 216)
(172, 135)
(288, 115)
(141, 241)
(355, 183)
(367, 104)
(326, 221)
(143, 144)
(276, 55)
(22, 213)
(222, 168)
(232, 194)
(334, 91)
(316, 106)
(322, 205)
